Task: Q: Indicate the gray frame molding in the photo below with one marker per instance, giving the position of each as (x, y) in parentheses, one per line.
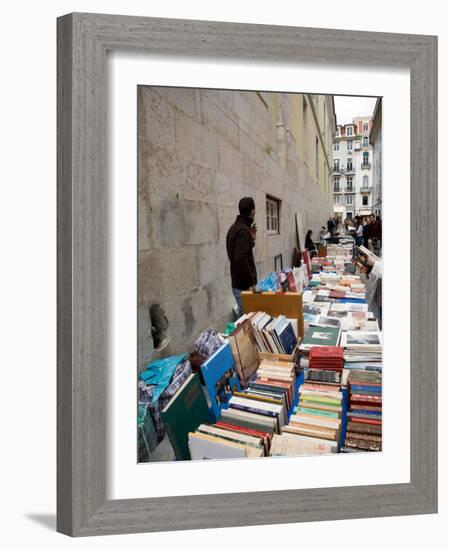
(83, 40)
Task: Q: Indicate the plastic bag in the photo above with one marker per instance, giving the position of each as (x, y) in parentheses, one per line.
(269, 284)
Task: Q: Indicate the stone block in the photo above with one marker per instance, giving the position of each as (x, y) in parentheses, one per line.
(186, 100)
(224, 191)
(156, 162)
(194, 142)
(201, 223)
(150, 284)
(226, 217)
(169, 223)
(144, 339)
(211, 261)
(229, 160)
(199, 183)
(156, 119)
(179, 271)
(219, 121)
(223, 298)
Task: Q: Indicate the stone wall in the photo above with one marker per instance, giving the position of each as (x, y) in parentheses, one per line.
(200, 151)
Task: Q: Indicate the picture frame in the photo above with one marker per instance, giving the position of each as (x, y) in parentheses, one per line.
(83, 40)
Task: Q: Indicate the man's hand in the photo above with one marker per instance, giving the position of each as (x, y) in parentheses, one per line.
(253, 231)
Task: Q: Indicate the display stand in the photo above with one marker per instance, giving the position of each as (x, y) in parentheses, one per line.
(275, 304)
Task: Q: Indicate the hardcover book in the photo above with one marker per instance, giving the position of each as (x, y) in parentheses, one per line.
(184, 413)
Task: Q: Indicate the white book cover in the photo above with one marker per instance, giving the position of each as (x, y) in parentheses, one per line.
(209, 448)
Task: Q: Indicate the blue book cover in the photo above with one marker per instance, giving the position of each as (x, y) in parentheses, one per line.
(351, 300)
(220, 378)
(356, 412)
(370, 389)
(288, 338)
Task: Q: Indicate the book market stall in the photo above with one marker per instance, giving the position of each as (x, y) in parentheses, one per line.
(299, 373)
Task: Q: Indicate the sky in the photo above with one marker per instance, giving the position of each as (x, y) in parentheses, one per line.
(348, 107)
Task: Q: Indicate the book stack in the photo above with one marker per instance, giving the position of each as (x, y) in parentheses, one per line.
(362, 346)
(325, 364)
(319, 413)
(221, 440)
(265, 404)
(320, 336)
(364, 426)
(273, 335)
(291, 444)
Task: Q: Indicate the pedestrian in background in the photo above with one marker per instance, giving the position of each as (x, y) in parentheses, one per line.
(359, 231)
(240, 241)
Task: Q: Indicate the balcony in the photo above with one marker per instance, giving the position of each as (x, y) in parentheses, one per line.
(349, 189)
(338, 189)
(350, 170)
(366, 165)
(365, 189)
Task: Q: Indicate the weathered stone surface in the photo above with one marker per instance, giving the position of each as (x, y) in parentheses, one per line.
(195, 142)
(201, 222)
(156, 118)
(144, 339)
(169, 223)
(150, 284)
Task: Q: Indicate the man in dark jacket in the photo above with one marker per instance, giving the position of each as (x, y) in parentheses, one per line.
(239, 244)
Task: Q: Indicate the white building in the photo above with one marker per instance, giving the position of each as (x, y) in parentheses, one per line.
(353, 169)
(376, 142)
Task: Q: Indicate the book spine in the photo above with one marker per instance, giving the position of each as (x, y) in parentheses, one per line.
(253, 410)
(364, 437)
(364, 428)
(364, 445)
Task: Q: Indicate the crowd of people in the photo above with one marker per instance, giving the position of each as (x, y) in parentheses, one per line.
(241, 239)
(367, 231)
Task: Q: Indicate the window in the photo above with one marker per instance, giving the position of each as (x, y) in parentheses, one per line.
(337, 146)
(365, 182)
(365, 127)
(349, 165)
(365, 201)
(348, 199)
(336, 183)
(273, 209)
(365, 158)
(349, 215)
(365, 142)
(349, 131)
(336, 165)
(349, 146)
(337, 199)
(337, 132)
(349, 183)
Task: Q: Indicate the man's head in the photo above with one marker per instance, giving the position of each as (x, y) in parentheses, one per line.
(372, 217)
(247, 207)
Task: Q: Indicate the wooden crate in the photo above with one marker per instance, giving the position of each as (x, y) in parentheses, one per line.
(286, 303)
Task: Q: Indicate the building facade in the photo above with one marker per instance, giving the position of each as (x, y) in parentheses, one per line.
(376, 143)
(352, 174)
(200, 151)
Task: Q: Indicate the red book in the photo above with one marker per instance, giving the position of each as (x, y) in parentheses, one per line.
(327, 351)
(366, 420)
(266, 436)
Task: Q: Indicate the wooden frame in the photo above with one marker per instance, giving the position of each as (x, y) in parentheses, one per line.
(83, 40)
